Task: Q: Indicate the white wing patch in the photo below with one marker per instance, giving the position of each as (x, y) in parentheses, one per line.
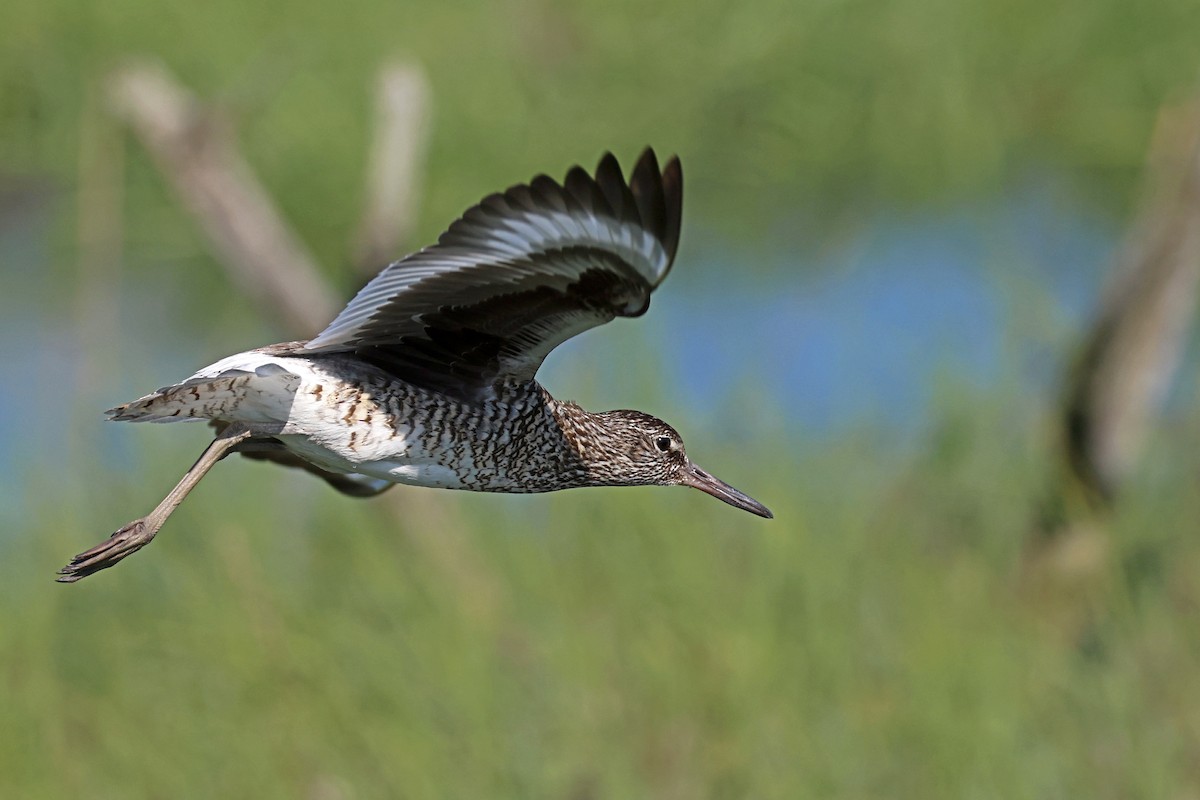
(507, 239)
(516, 275)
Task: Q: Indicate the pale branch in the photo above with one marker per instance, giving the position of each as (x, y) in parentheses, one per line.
(196, 152)
(1134, 346)
(402, 102)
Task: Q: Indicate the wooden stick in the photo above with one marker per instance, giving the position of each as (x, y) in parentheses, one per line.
(197, 154)
(1134, 346)
(394, 166)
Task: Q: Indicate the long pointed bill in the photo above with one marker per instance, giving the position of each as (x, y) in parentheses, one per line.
(721, 490)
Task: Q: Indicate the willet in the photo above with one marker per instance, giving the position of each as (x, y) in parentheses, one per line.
(427, 376)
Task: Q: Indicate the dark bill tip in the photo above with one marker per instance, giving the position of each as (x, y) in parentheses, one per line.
(699, 479)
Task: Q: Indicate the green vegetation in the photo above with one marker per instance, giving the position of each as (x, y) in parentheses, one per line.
(810, 104)
(878, 639)
(874, 642)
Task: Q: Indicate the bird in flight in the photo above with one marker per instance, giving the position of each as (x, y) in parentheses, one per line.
(427, 377)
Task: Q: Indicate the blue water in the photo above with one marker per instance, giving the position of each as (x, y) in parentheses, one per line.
(802, 336)
(865, 332)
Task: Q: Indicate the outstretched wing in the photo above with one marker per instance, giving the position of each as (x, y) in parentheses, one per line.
(517, 275)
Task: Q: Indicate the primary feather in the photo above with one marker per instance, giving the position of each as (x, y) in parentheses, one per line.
(517, 275)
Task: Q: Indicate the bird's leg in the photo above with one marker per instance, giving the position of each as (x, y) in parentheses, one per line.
(137, 534)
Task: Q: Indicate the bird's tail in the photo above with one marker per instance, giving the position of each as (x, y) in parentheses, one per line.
(223, 396)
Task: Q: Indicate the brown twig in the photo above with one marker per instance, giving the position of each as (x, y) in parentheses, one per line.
(197, 154)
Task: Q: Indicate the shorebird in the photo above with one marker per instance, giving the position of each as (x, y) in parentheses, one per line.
(427, 376)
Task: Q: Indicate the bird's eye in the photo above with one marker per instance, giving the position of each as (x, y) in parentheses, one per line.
(663, 444)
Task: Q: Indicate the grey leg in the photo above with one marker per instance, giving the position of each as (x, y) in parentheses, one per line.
(137, 534)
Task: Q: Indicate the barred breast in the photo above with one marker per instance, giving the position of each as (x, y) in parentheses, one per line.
(348, 416)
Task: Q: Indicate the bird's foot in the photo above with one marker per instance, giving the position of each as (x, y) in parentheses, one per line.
(127, 540)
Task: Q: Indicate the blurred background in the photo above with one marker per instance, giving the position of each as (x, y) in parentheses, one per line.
(885, 323)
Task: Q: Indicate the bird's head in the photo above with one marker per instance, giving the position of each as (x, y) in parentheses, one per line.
(635, 449)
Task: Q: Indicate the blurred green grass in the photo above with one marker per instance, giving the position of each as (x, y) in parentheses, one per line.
(775, 104)
(875, 640)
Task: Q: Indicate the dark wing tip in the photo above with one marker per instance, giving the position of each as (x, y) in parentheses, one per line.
(583, 189)
(648, 192)
(672, 184)
(616, 191)
(659, 196)
(647, 159)
(547, 191)
(651, 198)
(608, 170)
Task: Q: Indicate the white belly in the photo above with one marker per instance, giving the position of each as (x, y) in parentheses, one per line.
(339, 425)
(400, 464)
